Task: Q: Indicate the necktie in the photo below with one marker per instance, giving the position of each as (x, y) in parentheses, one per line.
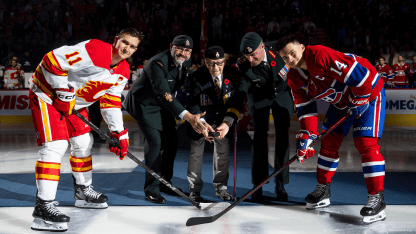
(179, 74)
(218, 89)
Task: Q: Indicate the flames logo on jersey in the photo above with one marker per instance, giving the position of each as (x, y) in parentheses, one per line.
(93, 90)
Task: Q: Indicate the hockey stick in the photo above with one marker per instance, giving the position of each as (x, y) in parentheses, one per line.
(132, 157)
(235, 161)
(202, 220)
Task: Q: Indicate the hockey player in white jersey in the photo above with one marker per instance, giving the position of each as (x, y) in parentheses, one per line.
(73, 77)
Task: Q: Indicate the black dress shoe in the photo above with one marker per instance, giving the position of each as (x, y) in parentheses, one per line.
(281, 194)
(224, 195)
(155, 198)
(257, 196)
(168, 191)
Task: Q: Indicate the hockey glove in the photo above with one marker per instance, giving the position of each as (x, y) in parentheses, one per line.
(358, 104)
(303, 139)
(123, 139)
(65, 100)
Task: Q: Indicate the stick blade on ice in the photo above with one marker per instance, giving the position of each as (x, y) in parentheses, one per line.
(199, 220)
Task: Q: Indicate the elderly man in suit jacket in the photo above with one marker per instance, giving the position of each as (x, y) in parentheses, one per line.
(152, 103)
(265, 71)
(216, 89)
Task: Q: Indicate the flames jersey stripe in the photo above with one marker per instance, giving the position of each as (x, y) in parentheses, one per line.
(51, 64)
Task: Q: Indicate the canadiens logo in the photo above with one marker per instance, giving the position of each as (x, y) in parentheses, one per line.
(93, 90)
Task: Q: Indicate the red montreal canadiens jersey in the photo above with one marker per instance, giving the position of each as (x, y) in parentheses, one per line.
(385, 72)
(332, 76)
(86, 67)
(401, 74)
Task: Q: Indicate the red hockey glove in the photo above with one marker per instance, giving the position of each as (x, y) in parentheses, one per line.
(123, 139)
(358, 104)
(303, 139)
(65, 100)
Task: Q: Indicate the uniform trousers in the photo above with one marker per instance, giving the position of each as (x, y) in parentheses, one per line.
(159, 153)
(260, 152)
(221, 162)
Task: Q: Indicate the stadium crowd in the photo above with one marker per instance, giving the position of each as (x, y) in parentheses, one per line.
(373, 29)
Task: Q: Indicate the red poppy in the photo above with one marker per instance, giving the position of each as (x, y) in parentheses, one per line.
(226, 81)
(273, 63)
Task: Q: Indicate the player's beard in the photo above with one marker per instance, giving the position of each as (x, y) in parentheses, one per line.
(175, 58)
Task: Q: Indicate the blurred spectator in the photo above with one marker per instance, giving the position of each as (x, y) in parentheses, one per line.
(407, 54)
(385, 72)
(309, 26)
(28, 64)
(176, 27)
(164, 13)
(392, 57)
(270, 26)
(13, 76)
(274, 35)
(261, 27)
(285, 24)
(297, 6)
(412, 83)
(216, 26)
(384, 8)
(401, 72)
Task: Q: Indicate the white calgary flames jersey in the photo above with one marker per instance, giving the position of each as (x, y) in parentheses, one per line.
(11, 76)
(86, 67)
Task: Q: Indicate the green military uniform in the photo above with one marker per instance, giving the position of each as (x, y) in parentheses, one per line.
(151, 101)
(267, 90)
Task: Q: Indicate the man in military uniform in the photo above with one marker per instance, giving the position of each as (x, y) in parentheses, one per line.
(264, 71)
(218, 90)
(151, 101)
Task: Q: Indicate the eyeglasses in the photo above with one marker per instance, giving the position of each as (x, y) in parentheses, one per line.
(212, 64)
(181, 49)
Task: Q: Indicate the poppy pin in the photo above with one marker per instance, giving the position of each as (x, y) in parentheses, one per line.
(226, 81)
(273, 63)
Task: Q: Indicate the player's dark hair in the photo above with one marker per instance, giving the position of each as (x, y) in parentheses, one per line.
(282, 42)
(132, 32)
(381, 57)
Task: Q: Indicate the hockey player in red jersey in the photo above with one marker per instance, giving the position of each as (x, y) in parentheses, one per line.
(401, 72)
(74, 77)
(13, 76)
(352, 85)
(385, 72)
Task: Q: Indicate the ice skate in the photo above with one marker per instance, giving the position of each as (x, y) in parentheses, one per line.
(86, 197)
(319, 198)
(373, 211)
(48, 217)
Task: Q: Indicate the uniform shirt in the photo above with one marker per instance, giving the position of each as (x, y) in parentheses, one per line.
(86, 67)
(11, 76)
(385, 72)
(401, 73)
(331, 77)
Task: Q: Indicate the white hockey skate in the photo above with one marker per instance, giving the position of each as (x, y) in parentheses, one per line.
(48, 217)
(373, 211)
(86, 197)
(318, 198)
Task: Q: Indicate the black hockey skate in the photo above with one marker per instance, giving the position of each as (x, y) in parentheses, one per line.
(374, 209)
(319, 198)
(48, 217)
(86, 197)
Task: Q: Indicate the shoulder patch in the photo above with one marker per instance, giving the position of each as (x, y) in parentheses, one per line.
(272, 54)
(99, 52)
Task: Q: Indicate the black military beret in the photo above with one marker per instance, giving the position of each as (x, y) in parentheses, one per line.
(183, 40)
(214, 52)
(250, 43)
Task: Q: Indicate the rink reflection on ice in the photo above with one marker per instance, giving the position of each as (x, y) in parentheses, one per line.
(18, 153)
(245, 219)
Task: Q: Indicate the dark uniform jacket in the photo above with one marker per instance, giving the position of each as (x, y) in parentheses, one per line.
(263, 89)
(203, 96)
(155, 91)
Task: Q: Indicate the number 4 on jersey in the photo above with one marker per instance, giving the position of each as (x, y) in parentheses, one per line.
(340, 66)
